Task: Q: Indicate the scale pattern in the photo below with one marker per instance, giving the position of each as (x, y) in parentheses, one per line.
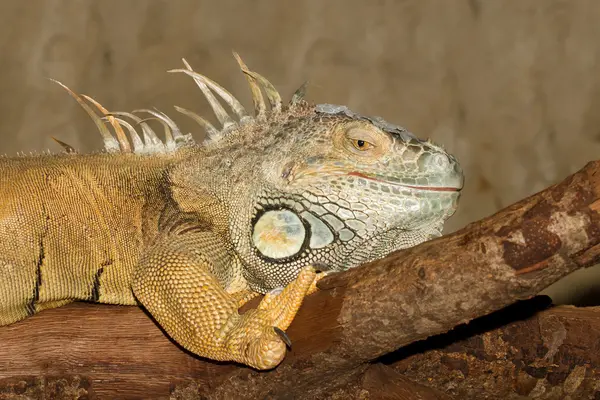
(270, 203)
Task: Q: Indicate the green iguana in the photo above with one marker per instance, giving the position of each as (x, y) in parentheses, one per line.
(192, 232)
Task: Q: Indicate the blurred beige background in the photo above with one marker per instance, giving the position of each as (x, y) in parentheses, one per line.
(512, 87)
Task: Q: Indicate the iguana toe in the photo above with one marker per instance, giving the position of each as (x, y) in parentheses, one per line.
(266, 352)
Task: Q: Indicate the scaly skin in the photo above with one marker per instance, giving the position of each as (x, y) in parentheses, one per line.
(72, 228)
(193, 232)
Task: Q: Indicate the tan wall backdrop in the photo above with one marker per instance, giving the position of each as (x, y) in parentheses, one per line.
(512, 88)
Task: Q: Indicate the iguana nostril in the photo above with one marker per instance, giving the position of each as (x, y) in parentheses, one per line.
(435, 161)
(440, 160)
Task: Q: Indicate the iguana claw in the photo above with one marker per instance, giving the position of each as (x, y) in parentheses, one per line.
(283, 336)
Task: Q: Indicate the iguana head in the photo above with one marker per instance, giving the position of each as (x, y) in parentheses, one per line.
(300, 184)
(339, 189)
(321, 184)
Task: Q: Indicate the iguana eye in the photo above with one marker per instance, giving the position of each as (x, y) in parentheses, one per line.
(361, 145)
(363, 140)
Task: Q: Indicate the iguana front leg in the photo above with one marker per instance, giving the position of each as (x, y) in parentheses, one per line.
(174, 283)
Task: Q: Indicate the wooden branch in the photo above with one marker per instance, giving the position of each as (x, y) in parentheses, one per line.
(356, 317)
(555, 352)
(383, 382)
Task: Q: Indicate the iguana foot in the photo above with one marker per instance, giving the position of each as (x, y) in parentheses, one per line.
(255, 337)
(187, 300)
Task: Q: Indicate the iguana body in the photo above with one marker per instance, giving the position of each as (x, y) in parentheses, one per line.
(192, 232)
(92, 213)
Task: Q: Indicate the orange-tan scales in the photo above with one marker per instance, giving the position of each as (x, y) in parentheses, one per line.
(193, 231)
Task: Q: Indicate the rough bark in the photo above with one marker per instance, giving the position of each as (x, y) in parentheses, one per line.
(552, 355)
(356, 317)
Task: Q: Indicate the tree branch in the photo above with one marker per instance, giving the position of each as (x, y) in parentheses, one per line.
(554, 352)
(356, 317)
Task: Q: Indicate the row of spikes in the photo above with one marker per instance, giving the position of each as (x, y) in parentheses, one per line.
(174, 139)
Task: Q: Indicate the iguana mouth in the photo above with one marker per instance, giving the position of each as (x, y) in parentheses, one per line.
(337, 171)
(425, 188)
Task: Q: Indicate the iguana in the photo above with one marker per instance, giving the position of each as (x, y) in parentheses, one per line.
(192, 232)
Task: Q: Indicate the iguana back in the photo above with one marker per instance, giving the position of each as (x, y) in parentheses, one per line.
(72, 228)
